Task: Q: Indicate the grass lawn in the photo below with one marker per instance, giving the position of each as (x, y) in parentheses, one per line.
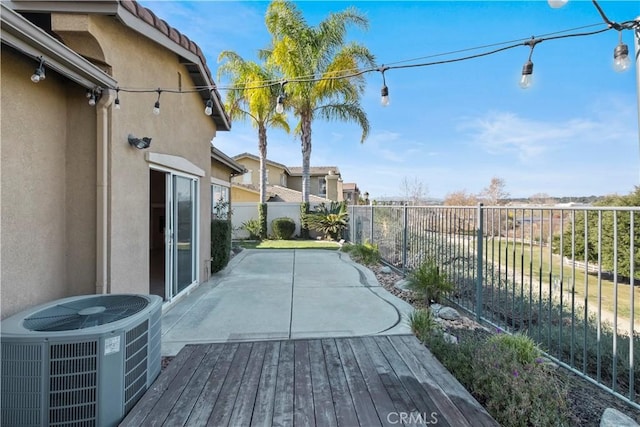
(289, 244)
(542, 261)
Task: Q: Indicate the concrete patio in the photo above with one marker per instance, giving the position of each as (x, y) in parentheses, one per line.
(284, 294)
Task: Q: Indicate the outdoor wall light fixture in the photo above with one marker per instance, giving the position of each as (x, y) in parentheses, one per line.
(38, 74)
(156, 106)
(280, 99)
(384, 92)
(527, 69)
(621, 60)
(139, 143)
(208, 110)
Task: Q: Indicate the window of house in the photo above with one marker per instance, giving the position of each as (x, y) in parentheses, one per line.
(247, 178)
(322, 187)
(219, 201)
(283, 180)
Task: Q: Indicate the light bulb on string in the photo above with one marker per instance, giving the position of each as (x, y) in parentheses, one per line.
(280, 104)
(384, 92)
(39, 75)
(527, 75)
(557, 4)
(208, 109)
(621, 60)
(156, 106)
(116, 103)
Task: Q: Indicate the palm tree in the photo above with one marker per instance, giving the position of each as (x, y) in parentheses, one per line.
(315, 63)
(253, 99)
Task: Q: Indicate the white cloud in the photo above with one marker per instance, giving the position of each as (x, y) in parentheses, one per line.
(507, 132)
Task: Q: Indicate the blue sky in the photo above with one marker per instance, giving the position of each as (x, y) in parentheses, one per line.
(455, 126)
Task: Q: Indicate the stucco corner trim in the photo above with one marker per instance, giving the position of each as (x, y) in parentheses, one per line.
(174, 162)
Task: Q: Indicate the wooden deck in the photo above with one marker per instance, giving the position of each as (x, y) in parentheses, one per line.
(368, 381)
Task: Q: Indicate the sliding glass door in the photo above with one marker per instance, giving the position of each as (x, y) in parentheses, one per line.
(185, 237)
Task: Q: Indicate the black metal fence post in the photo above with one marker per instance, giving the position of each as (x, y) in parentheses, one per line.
(479, 275)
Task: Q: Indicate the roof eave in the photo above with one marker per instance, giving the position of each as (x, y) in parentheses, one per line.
(227, 161)
(31, 40)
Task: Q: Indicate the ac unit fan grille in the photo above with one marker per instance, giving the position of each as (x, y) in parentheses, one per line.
(72, 384)
(136, 354)
(85, 313)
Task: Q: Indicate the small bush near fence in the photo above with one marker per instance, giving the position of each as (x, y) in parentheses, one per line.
(283, 228)
(364, 253)
(252, 226)
(220, 244)
(514, 390)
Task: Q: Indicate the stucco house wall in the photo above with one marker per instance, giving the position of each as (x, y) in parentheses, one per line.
(172, 131)
(67, 226)
(48, 175)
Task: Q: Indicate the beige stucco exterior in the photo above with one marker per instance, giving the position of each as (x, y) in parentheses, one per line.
(275, 175)
(51, 166)
(239, 194)
(48, 188)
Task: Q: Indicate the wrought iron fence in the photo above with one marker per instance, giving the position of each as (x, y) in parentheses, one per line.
(567, 277)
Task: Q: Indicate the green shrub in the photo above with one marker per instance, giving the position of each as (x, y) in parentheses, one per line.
(516, 394)
(330, 220)
(283, 228)
(422, 323)
(220, 244)
(304, 228)
(365, 253)
(262, 218)
(429, 282)
(522, 346)
(252, 226)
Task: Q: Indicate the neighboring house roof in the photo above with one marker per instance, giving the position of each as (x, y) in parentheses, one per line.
(349, 186)
(314, 170)
(282, 194)
(145, 22)
(256, 158)
(236, 167)
(247, 187)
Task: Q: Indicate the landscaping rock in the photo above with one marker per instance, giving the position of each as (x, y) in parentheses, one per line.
(614, 418)
(403, 284)
(451, 339)
(435, 309)
(448, 313)
(386, 270)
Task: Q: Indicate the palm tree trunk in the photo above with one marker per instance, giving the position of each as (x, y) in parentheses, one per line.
(305, 138)
(262, 148)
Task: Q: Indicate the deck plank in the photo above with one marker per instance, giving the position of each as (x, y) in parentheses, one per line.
(325, 413)
(332, 382)
(179, 384)
(303, 414)
(183, 407)
(209, 394)
(283, 403)
(365, 409)
(243, 410)
(426, 403)
(265, 396)
(223, 408)
(379, 395)
(401, 399)
(149, 400)
(345, 411)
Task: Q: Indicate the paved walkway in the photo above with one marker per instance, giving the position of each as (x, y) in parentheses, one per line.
(284, 294)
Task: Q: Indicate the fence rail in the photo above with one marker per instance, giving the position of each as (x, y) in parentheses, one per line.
(567, 277)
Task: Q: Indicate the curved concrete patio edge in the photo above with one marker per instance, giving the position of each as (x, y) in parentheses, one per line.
(285, 294)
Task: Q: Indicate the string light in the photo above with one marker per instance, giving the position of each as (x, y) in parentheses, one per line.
(39, 74)
(621, 63)
(621, 60)
(92, 98)
(208, 110)
(280, 99)
(384, 92)
(527, 69)
(156, 106)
